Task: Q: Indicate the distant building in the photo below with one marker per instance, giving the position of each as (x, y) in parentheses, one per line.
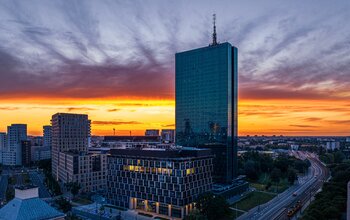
(347, 139)
(47, 140)
(294, 146)
(332, 145)
(36, 140)
(13, 151)
(152, 132)
(71, 161)
(40, 153)
(160, 181)
(26, 153)
(28, 205)
(3, 144)
(168, 135)
(206, 99)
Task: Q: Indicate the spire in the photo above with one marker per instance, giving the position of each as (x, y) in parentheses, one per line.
(214, 31)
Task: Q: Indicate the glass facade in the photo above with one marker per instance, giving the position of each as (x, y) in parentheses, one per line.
(161, 182)
(206, 104)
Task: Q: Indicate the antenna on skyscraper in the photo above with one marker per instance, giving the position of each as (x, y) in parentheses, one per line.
(214, 31)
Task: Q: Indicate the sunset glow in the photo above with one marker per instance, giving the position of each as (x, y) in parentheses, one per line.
(119, 68)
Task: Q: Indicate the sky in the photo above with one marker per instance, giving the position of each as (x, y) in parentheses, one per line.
(114, 60)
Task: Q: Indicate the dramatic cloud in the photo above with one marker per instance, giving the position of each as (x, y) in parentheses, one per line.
(71, 109)
(97, 49)
(304, 126)
(169, 125)
(113, 110)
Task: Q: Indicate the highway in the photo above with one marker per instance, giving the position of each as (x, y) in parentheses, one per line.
(278, 207)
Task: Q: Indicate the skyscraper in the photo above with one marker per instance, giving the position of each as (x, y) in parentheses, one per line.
(206, 103)
(70, 133)
(3, 144)
(12, 155)
(71, 160)
(47, 136)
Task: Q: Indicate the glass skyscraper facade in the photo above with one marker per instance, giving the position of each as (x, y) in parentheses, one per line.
(206, 104)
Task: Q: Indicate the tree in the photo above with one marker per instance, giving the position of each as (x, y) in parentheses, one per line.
(275, 175)
(292, 176)
(213, 207)
(250, 170)
(195, 215)
(64, 204)
(339, 157)
(74, 188)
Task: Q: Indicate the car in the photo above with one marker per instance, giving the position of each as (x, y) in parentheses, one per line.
(295, 194)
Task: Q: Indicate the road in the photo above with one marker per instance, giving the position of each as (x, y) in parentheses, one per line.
(277, 208)
(38, 180)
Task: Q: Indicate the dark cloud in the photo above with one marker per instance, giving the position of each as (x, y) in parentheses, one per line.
(169, 125)
(8, 108)
(86, 50)
(304, 126)
(71, 109)
(116, 122)
(113, 110)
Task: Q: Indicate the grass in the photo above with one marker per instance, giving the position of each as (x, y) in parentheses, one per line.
(236, 213)
(252, 200)
(258, 186)
(264, 179)
(82, 201)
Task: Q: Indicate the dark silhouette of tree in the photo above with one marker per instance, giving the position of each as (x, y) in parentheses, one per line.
(213, 207)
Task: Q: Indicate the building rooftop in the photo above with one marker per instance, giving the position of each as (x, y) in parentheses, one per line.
(28, 206)
(174, 153)
(131, 138)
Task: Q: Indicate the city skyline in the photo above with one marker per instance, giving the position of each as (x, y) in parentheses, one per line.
(119, 67)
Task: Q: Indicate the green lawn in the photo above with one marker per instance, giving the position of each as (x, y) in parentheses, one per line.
(264, 178)
(236, 214)
(82, 201)
(253, 199)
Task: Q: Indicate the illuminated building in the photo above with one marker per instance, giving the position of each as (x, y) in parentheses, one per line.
(159, 181)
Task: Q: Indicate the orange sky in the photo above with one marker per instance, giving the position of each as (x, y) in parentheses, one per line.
(261, 117)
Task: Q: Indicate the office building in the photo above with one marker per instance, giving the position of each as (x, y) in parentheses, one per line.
(168, 136)
(206, 85)
(47, 141)
(152, 132)
(28, 205)
(332, 145)
(26, 152)
(3, 144)
(12, 155)
(40, 153)
(159, 181)
(71, 161)
(70, 133)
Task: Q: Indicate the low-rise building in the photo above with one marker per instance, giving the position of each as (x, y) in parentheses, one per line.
(88, 170)
(40, 153)
(159, 181)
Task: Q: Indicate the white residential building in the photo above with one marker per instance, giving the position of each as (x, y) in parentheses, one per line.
(12, 155)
